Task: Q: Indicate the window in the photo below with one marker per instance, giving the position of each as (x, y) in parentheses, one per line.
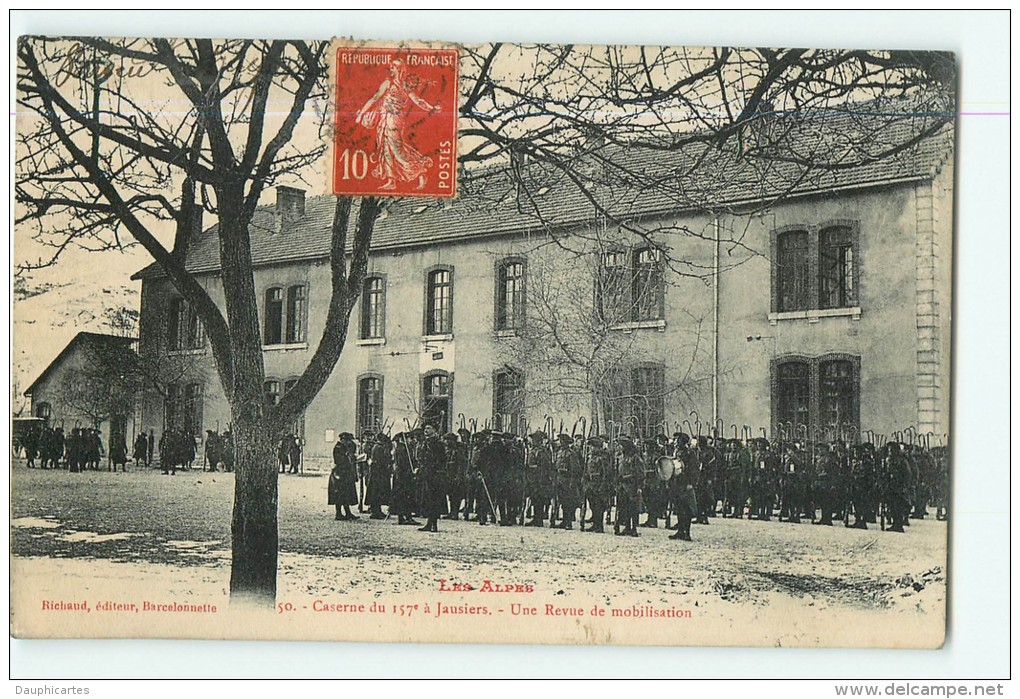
(184, 405)
(297, 303)
(286, 315)
(274, 316)
(611, 288)
(373, 299)
(793, 387)
(817, 398)
(508, 399)
(635, 398)
(646, 286)
(439, 302)
(836, 269)
(43, 410)
(815, 269)
(370, 403)
(192, 415)
(271, 392)
(184, 329)
(510, 295)
(648, 399)
(836, 395)
(630, 288)
(437, 400)
(793, 271)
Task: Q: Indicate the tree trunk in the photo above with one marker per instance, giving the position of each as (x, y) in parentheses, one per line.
(254, 529)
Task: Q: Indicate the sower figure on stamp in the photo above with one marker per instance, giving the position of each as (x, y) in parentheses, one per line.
(386, 112)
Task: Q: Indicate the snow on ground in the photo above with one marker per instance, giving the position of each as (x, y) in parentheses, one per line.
(144, 536)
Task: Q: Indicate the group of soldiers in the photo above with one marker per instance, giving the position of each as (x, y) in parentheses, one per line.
(81, 450)
(676, 481)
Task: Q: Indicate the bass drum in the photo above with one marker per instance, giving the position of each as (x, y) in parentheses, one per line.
(667, 467)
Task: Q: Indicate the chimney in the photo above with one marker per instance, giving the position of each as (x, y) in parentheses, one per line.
(290, 206)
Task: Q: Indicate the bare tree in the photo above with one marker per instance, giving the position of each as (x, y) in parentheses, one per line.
(102, 385)
(578, 332)
(120, 140)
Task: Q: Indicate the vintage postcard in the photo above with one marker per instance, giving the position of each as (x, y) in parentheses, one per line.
(421, 341)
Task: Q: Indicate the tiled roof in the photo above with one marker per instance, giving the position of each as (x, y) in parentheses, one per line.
(700, 178)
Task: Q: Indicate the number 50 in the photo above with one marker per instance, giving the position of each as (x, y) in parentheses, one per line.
(355, 164)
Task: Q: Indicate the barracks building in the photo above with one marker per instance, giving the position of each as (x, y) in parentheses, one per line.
(812, 308)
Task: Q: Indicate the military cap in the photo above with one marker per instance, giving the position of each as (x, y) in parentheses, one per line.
(565, 438)
(346, 437)
(450, 437)
(538, 436)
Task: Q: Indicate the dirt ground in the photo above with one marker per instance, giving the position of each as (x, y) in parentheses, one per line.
(142, 535)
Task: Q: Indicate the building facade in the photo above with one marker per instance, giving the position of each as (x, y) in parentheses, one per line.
(824, 313)
(92, 384)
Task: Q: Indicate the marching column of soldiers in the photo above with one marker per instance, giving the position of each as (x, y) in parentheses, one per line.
(82, 450)
(490, 476)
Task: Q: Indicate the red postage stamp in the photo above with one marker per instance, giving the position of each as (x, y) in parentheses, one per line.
(395, 121)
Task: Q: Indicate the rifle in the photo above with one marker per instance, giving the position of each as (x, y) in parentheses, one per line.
(495, 518)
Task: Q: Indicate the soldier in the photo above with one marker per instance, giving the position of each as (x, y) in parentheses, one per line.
(862, 479)
(150, 449)
(294, 455)
(166, 457)
(57, 447)
(457, 472)
(380, 467)
(431, 457)
(683, 488)
(361, 465)
(93, 449)
(762, 492)
(497, 476)
(539, 477)
(227, 450)
(513, 494)
(597, 482)
(486, 455)
(628, 491)
(709, 459)
(897, 486)
(568, 480)
(342, 490)
(653, 491)
(283, 453)
(403, 481)
(31, 444)
(118, 453)
(738, 470)
(212, 450)
(792, 460)
(823, 487)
